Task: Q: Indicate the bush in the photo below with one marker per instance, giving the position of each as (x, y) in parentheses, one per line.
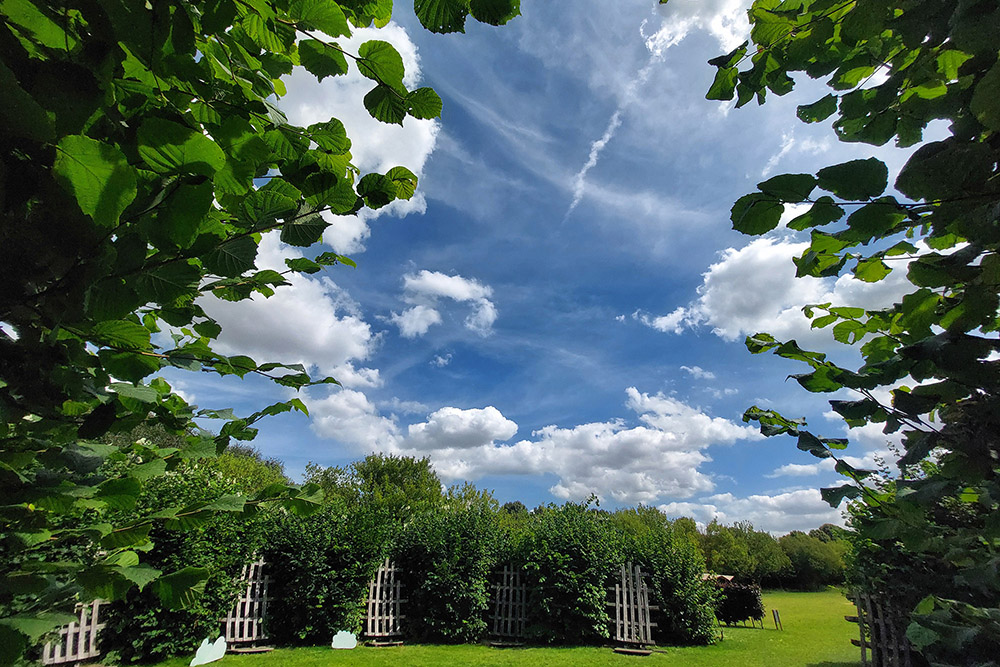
(740, 602)
(447, 557)
(569, 553)
(320, 568)
(668, 552)
(139, 627)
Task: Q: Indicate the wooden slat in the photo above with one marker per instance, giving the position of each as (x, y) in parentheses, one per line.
(79, 640)
(384, 616)
(244, 625)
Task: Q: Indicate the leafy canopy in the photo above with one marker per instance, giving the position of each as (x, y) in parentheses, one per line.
(142, 157)
(893, 67)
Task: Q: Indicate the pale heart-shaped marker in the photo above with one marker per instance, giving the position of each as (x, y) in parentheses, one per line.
(344, 639)
(207, 653)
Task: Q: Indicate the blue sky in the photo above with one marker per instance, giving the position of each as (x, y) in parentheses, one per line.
(561, 309)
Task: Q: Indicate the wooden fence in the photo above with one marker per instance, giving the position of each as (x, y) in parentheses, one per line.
(245, 623)
(385, 600)
(883, 633)
(510, 604)
(77, 641)
(633, 624)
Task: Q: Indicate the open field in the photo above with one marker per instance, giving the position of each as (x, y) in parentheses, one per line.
(815, 635)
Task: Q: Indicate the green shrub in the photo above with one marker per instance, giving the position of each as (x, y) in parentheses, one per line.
(669, 553)
(740, 602)
(447, 557)
(569, 554)
(139, 628)
(320, 568)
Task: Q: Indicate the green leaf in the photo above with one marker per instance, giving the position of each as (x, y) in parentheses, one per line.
(171, 148)
(380, 61)
(404, 180)
(185, 211)
(165, 283)
(326, 190)
(181, 589)
(874, 220)
(724, 85)
(330, 136)
(304, 231)
(121, 334)
(98, 175)
(442, 15)
(325, 15)
(37, 625)
(386, 105)
(789, 187)
(871, 270)
(377, 190)
(819, 110)
(984, 104)
(132, 536)
(423, 103)
(494, 12)
(140, 575)
(140, 393)
(855, 180)
(836, 495)
(232, 258)
(756, 213)
(822, 212)
(227, 503)
(303, 265)
(321, 60)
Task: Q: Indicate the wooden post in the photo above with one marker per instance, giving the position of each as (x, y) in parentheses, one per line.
(777, 620)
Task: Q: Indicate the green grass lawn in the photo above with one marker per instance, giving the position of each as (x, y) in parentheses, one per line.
(815, 635)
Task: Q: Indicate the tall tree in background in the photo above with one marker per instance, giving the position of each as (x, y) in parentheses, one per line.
(893, 67)
(132, 135)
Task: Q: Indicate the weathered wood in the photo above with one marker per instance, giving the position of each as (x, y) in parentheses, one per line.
(79, 640)
(385, 602)
(882, 633)
(633, 624)
(510, 604)
(244, 625)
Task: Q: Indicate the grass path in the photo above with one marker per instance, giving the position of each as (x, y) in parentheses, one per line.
(815, 635)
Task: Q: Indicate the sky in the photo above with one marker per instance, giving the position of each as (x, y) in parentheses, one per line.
(560, 310)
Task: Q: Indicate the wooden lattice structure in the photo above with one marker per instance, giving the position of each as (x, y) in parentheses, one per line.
(385, 600)
(77, 641)
(883, 639)
(244, 626)
(632, 623)
(509, 604)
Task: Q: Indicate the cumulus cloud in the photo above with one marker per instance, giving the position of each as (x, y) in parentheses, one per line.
(425, 290)
(754, 289)
(657, 459)
(781, 513)
(311, 321)
(379, 146)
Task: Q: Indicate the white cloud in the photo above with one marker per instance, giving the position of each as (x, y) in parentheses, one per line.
(425, 290)
(653, 461)
(311, 321)
(453, 428)
(754, 289)
(802, 509)
(415, 321)
(801, 146)
(379, 146)
(698, 373)
(675, 25)
(441, 360)
(349, 417)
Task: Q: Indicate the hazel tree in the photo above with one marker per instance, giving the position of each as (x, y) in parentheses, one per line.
(893, 67)
(143, 154)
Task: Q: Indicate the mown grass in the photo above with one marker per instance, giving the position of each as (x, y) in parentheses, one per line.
(815, 635)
